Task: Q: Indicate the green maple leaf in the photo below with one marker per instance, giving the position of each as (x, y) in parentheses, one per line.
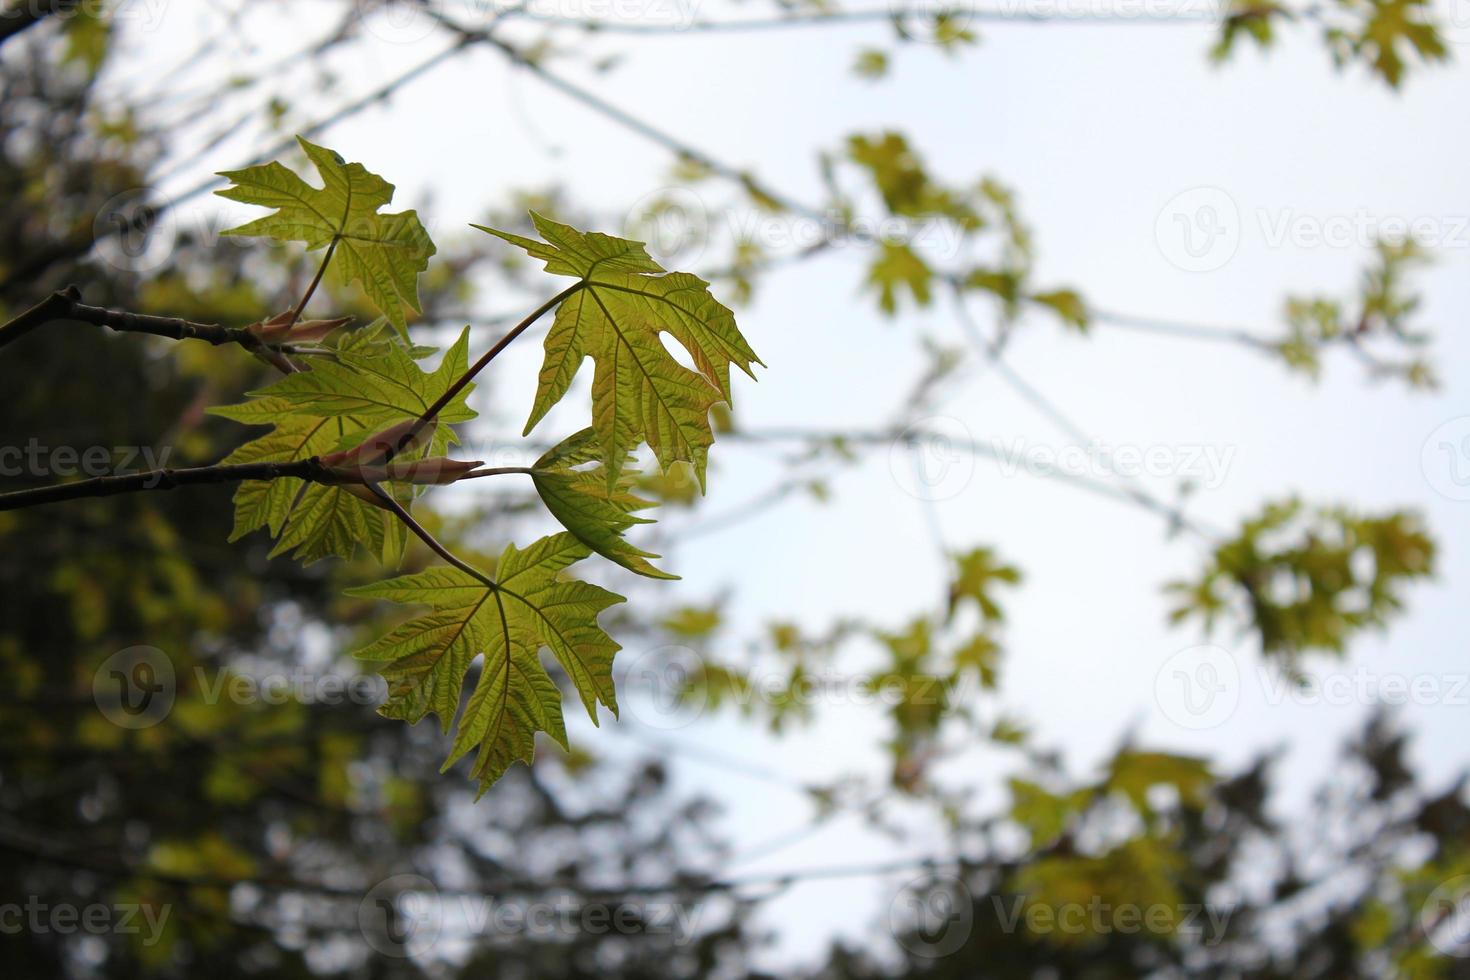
(640, 393)
(385, 252)
(898, 266)
(506, 624)
(595, 513)
(369, 386)
(976, 574)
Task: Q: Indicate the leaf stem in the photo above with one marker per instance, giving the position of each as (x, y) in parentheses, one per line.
(321, 270)
(433, 410)
(423, 535)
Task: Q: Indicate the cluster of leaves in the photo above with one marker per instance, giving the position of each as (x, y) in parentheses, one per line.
(1163, 866)
(1309, 579)
(366, 389)
(1383, 34)
(932, 668)
(907, 190)
(1378, 318)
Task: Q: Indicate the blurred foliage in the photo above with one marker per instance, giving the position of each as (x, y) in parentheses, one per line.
(1308, 579)
(1386, 36)
(1378, 317)
(261, 831)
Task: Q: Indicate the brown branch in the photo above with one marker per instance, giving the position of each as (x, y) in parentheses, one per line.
(66, 305)
(310, 470)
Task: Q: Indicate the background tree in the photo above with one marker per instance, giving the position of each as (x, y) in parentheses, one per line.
(265, 828)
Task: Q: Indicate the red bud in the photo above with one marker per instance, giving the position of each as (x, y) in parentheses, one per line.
(434, 471)
(371, 451)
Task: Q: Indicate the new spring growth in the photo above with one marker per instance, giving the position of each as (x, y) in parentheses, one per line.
(284, 327)
(367, 462)
(373, 450)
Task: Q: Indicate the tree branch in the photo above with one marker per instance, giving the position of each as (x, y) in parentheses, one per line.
(66, 304)
(310, 470)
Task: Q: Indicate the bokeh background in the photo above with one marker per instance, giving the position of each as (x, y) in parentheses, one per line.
(1180, 199)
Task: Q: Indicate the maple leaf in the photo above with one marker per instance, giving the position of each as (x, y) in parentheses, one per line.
(587, 507)
(385, 252)
(506, 624)
(640, 393)
(976, 573)
(368, 386)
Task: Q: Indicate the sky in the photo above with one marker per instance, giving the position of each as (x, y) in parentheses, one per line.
(1157, 184)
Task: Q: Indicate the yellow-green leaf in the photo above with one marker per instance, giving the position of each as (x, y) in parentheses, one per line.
(384, 252)
(640, 393)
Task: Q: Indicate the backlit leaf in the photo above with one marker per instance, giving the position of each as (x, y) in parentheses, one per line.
(640, 393)
(384, 252)
(505, 625)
